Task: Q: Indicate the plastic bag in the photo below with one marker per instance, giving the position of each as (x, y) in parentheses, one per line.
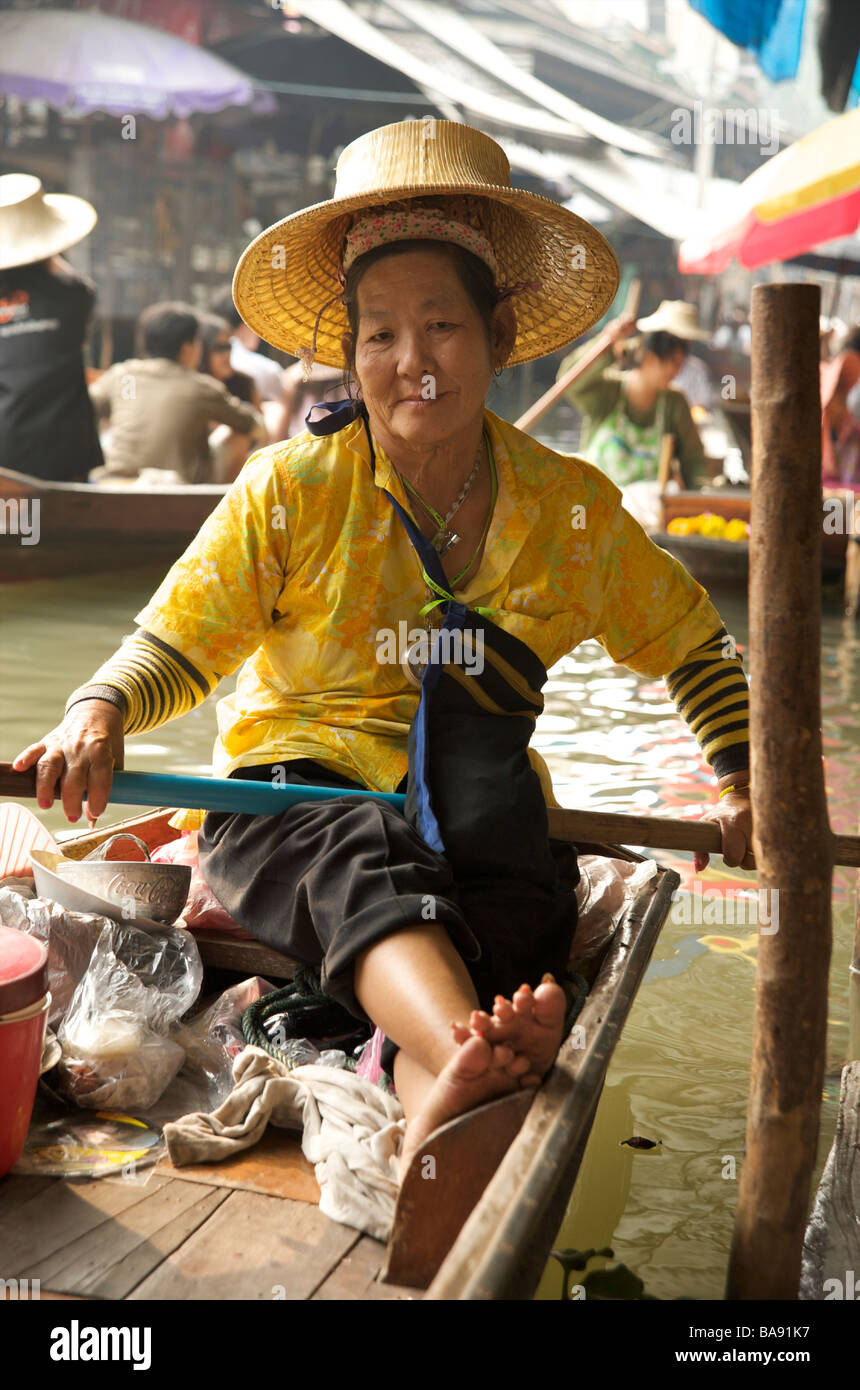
(69, 936)
(202, 910)
(116, 1050)
(212, 1041)
(605, 891)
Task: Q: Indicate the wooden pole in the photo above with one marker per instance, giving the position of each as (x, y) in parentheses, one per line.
(791, 836)
(556, 391)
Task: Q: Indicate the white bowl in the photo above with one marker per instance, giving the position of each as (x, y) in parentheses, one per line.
(49, 871)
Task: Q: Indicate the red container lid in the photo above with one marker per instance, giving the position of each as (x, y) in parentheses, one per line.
(23, 970)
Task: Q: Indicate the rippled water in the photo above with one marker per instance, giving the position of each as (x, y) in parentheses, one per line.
(680, 1073)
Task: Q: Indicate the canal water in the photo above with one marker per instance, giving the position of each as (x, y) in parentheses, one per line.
(613, 741)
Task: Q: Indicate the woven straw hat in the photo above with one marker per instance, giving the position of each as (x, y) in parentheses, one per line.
(677, 317)
(288, 282)
(35, 225)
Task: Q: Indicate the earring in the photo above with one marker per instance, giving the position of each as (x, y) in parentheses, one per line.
(498, 371)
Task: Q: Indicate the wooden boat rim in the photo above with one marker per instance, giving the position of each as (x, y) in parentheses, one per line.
(107, 488)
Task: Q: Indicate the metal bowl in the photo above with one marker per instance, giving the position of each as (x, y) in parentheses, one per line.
(139, 894)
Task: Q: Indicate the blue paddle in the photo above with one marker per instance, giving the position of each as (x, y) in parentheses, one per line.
(200, 793)
(266, 799)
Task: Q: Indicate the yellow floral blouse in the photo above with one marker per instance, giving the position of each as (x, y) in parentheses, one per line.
(304, 564)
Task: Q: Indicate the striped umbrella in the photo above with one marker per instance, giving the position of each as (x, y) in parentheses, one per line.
(807, 194)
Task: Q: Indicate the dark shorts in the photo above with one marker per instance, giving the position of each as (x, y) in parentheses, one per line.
(325, 880)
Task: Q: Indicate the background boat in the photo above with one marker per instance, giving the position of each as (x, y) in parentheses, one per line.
(86, 527)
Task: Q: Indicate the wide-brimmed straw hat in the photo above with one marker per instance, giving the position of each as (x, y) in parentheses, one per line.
(677, 317)
(36, 225)
(288, 283)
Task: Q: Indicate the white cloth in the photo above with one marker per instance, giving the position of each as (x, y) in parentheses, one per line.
(351, 1131)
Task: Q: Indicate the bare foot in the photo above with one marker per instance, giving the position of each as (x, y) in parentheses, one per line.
(477, 1072)
(531, 1023)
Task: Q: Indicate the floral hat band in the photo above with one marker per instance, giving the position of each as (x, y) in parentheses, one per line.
(423, 224)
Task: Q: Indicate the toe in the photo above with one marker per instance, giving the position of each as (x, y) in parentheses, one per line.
(472, 1059)
(549, 1004)
(520, 1066)
(503, 1009)
(503, 1056)
(523, 1000)
(479, 1021)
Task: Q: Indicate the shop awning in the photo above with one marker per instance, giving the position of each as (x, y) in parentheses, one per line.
(455, 76)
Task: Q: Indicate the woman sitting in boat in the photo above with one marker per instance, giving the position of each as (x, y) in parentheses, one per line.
(626, 414)
(411, 510)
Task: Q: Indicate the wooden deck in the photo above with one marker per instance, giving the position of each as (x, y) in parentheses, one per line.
(249, 1230)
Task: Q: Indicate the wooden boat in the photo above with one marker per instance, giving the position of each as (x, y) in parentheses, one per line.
(91, 526)
(249, 1225)
(724, 565)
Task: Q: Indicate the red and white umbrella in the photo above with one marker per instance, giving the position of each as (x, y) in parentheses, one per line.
(803, 196)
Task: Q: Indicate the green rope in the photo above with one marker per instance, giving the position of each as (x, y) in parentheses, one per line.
(298, 1001)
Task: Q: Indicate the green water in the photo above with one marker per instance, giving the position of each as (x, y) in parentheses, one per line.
(613, 741)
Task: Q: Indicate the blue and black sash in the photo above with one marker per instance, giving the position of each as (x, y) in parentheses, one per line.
(472, 792)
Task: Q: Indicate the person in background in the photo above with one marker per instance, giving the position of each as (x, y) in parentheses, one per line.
(47, 426)
(626, 414)
(244, 357)
(852, 399)
(160, 407)
(734, 335)
(840, 430)
(303, 391)
(229, 447)
(215, 360)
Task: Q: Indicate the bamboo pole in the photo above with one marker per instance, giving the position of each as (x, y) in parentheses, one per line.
(791, 836)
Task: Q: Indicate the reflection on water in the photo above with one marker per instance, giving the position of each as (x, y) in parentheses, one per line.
(613, 741)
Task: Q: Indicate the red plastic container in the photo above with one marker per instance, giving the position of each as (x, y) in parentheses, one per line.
(24, 1003)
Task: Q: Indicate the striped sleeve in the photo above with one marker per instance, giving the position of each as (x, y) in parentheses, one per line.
(710, 692)
(149, 681)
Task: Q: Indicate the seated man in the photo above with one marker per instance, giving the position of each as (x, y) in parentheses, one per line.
(160, 407)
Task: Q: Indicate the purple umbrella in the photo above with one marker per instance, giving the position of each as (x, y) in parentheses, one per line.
(84, 61)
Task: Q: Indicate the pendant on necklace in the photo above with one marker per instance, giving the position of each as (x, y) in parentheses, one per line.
(443, 540)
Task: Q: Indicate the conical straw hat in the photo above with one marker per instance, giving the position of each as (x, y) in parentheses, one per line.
(36, 225)
(677, 317)
(288, 282)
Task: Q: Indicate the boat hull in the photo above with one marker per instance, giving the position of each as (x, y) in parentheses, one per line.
(50, 530)
(501, 1241)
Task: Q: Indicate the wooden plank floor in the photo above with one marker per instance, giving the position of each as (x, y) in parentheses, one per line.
(163, 1237)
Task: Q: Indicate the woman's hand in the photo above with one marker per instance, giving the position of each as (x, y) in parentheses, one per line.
(78, 759)
(734, 817)
(619, 331)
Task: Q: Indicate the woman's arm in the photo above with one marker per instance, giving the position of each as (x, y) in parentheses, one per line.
(711, 694)
(212, 611)
(140, 687)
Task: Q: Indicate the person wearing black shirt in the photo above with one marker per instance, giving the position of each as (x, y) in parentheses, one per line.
(47, 423)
